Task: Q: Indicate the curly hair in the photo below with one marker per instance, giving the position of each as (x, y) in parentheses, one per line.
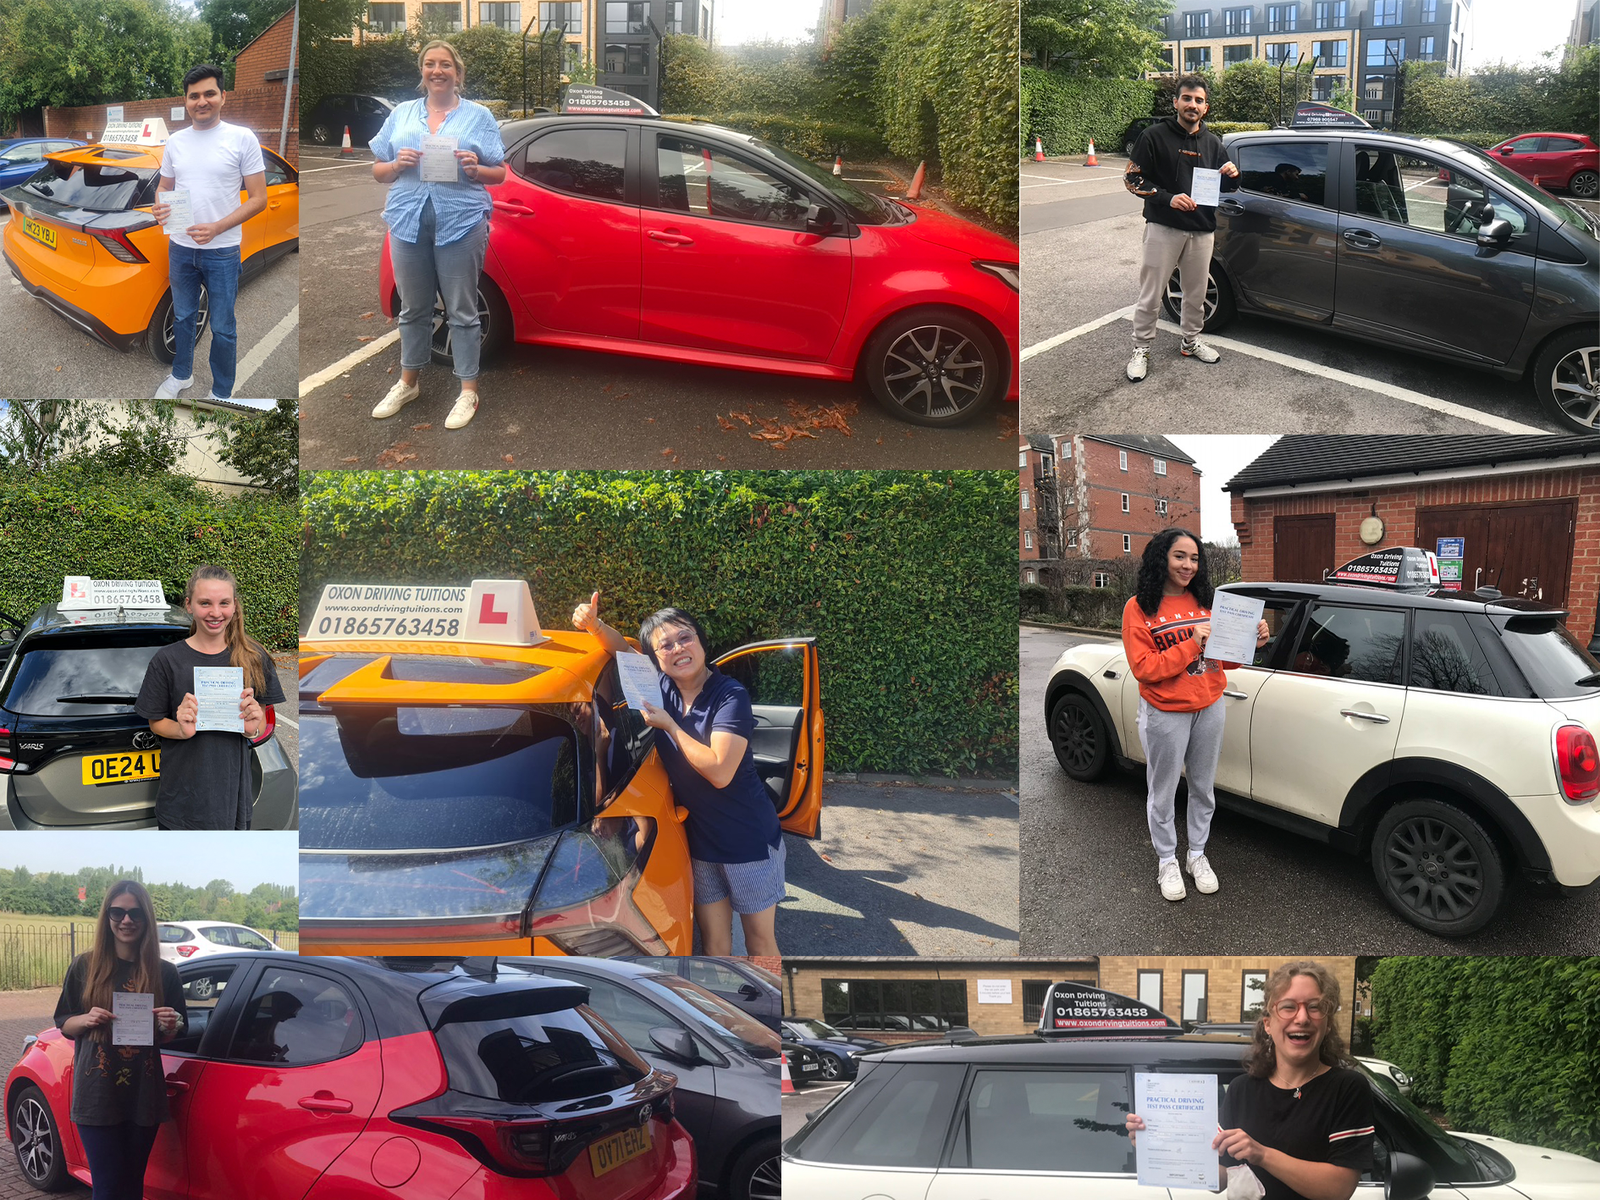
(1153, 571)
(1262, 1057)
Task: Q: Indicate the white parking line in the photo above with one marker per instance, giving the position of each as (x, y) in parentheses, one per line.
(1056, 182)
(252, 361)
(337, 167)
(312, 382)
(283, 720)
(1063, 338)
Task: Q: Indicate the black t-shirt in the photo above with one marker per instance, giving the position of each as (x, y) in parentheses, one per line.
(1330, 1122)
(205, 780)
(112, 1084)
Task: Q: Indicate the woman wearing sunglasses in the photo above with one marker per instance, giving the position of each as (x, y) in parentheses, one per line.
(1300, 1120)
(119, 1093)
(703, 730)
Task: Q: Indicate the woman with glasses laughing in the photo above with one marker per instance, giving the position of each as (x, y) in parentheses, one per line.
(703, 730)
(119, 1092)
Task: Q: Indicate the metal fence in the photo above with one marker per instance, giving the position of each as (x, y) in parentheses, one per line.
(34, 956)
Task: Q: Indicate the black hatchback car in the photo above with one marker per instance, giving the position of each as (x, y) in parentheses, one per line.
(836, 1049)
(1420, 244)
(364, 115)
(73, 753)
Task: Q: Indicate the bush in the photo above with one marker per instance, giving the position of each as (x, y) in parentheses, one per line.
(1035, 598)
(142, 528)
(1509, 100)
(1067, 112)
(1096, 608)
(902, 576)
(806, 136)
(1221, 127)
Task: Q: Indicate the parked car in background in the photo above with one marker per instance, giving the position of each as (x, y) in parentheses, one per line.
(804, 1066)
(182, 941)
(744, 984)
(21, 157)
(836, 1050)
(1384, 1069)
(364, 115)
(1130, 135)
(1569, 161)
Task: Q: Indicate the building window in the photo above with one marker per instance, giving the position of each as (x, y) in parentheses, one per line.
(1279, 53)
(1027, 539)
(1127, 543)
(1385, 50)
(1235, 54)
(675, 17)
(568, 18)
(1331, 54)
(1064, 450)
(1373, 88)
(1150, 989)
(1124, 501)
(1385, 12)
(1101, 579)
(628, 58)
(386, 18)
(1425, 49)
(1072, 539)
(1430, 12)
(1166, 56)
(1252, 995)
(1034, 993)
(1022, 458)
(1452, 56)
(1032, 575)
(1283, 18)
(1194, 996)
(506, 16)
(1235, 22)
(441, 18)
(1196, 58)
(1322, 87)
(1122, 460)
(1158, 465)
(1372, 115)
(1332, 14)
(1025, 503)
(625, 17)
(1196, 24)
(1161, 508)
(895, 1005)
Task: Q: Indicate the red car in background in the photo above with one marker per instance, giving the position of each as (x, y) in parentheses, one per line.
(696, 244)
(353, 1079)
(1569, 161)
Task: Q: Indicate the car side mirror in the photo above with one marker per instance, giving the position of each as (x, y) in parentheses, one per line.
(675, 1043)
(5, 162)
(1409, 1178)
(749, 991)
(1507, 150)
(821, 220)
(1493, 235)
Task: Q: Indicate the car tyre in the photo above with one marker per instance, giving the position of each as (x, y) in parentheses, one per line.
(1220, 308)
(832, 1067)
(161, 339)
(1080, 737)
(967, 367)
(321, 134)
(494, 317)
(1585, 185)
(1566, 374)
(1438, 867)
(202, 988)
(37, 1140)
(757, 1174)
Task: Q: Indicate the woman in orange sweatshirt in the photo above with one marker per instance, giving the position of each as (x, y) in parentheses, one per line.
(1164, 630)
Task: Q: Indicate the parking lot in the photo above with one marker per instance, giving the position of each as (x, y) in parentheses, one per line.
(47, 357)
(805, 1100)
(1081, 239)
(553, 408)
(1089, 873)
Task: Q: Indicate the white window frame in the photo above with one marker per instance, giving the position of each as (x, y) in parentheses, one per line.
(1033, 576)
(1022, 459)
(1025, 503)
(1161, 508)
(1127, 543)
(1122, 460)
(1125, 507)
(1072, 539)
(1027, 539)
(1158, 465)
(1102, 579)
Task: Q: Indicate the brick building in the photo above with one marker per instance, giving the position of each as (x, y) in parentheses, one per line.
(1039, 535)
(1117, 492)
(1527, 508)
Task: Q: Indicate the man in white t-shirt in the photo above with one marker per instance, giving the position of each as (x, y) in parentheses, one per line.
(213, 162)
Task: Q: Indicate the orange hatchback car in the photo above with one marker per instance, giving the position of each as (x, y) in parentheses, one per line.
(81, 238)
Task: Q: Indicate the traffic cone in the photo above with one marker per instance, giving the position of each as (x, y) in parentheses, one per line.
(788, 1084)
(914, 192)
(1038, 149)
(1091, 161)
(838, 164)
(345, 149)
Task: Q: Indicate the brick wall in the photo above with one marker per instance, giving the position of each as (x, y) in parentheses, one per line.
(1224, 982)
(259, 109)
(1094, 481)
(269, 52)
(1398, 505)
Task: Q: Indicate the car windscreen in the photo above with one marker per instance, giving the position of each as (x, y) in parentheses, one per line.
(94, 186)
(817, 1029)
(83, 677)
(863, 208)
(377, 777)
(763, 974)
(1554, 662)
(1556, 210)
(563, 1055)
(715, 1013)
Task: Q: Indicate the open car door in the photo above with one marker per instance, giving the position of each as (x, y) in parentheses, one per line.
(786, 698)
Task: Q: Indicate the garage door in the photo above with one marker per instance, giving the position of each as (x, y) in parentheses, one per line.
(1302, 548)
(1522, 549)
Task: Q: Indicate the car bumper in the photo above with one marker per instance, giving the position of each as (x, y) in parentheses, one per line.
(86, 321)
(277, 803)
(1570, 834)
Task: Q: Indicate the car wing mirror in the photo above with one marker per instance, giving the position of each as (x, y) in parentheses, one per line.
(1493, 235)
(1409, 1178)
(821, 220)
(749, 991)
(675, 1043)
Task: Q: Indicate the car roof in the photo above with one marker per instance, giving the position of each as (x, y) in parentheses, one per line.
(512, 130)
(1124, 1048)
(1395, 598)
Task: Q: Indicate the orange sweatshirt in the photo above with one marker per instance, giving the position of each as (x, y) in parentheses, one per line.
(1165, 656)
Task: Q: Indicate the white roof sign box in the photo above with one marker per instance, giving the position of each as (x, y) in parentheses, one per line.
(492, 611)
(151, 131)
(81, 592)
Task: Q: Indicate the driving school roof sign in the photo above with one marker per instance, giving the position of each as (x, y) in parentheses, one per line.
(1081, 1006)
(1404, 567)
(492, 611)
(583, 98)
(152, 131)
(79, 592)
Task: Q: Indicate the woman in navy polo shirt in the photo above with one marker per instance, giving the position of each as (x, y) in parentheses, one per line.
(703, 730)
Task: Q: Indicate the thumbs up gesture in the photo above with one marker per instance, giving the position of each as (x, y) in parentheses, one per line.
(587, 616)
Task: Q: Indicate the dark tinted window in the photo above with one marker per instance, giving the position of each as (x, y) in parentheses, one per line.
(1446, 656)
(584, 162)
(706, 181)
(202, 989)
(1290, 170)
(1554, 661)
(1352, 643)
(895, 1117)
(73, 678)
(1046, 1121)
(622, 740)
(1560, 145)
(296, 1018)
(97, 188)
(528, 1060)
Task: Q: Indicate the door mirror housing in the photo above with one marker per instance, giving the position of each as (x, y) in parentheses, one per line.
(675, 1043)
(1409, 1178)
(821, 220)
(749, 991)
(1493, 235)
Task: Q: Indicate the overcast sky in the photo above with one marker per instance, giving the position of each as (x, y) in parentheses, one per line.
(166, 856)
(739, 21)
(1219, 457)
(1517, 31)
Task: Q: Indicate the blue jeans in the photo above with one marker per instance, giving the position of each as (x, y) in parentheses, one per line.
(423, 270)
(118, 1155)
(218, 268)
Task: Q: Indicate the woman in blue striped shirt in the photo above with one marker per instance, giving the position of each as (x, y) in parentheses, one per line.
(438, 231)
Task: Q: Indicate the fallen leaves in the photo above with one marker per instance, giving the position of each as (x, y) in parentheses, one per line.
(425, 425)
(368, 316)
(396, 455)
(365, 337)
(805, 421)
(351, 460)
(507, 459)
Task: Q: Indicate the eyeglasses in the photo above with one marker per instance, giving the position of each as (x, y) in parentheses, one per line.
(1286, 1009)
(119, 915)
(686, 638)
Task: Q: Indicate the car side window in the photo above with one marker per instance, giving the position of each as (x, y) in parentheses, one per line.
(1046, 1121)
(1446, 657)
(706, 181)
(714, 976)
(173, 934)
(278, 171)
(296, 1018)
(220, 935)
(1279, 616)
(1289, 170)
(1351, 643)
(28, 152)
(896, 1117)
(581, 162)
(203, 986)
(1407, 189)
(632, 1017)
(622, 740)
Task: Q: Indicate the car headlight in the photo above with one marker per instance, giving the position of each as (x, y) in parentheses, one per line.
(1005, 272)
(1401, 1077)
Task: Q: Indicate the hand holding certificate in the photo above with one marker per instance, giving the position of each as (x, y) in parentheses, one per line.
(439, 159)
(1180, 1120)
(1206, 189)
(217, 691)
(180, 210)
(1234, 624)
(637, 675)
(134, 1019)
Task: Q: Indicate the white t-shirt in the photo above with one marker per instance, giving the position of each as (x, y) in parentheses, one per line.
(211, 164)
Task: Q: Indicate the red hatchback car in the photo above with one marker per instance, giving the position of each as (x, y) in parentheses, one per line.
(697, 244)
(353, 1079)
(1569, 161)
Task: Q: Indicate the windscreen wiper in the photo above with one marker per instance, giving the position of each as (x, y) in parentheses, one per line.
(98, 698)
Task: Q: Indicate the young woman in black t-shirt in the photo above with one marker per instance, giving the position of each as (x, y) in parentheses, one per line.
(119, 1093)
(1301, 1117)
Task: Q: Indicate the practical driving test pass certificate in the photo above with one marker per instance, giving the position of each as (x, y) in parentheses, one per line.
(1180, 1118)
(439, 159)
(217, 691)
(637, 674)
(182, 214)
(134, 1022)
(1206, 188)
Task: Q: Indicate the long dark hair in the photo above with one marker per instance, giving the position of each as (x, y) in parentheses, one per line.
(1262, 1057)
(1153, 571)
(102, 963)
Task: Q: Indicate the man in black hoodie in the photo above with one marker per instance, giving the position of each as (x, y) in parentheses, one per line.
(1177, 232)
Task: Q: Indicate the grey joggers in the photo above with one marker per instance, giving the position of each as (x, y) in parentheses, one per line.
(1173, 741)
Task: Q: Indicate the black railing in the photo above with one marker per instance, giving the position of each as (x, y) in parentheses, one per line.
(34, 956)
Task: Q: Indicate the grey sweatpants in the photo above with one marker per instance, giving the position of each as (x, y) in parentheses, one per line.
(1164, 249)
(1173, 741)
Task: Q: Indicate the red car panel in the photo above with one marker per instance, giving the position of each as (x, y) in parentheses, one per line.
(1554, 159)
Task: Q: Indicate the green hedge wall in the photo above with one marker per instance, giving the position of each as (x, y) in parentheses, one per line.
(809, 137)
(1067, 112)
(1508, 1046)
(67, 523)
(904, 577)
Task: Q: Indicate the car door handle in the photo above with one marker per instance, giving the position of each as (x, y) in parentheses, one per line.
(511, 209)
(1111, 675)
(1233, 695)
(1363, 238)
(1375, 718)
(670, 238)
(176, 1085)
(1232, 207)
(324, 1103)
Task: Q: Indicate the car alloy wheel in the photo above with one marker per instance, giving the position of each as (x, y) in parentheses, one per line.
(1575, 383)
(202, 988)
(832, 1068)
(1585, 184)
(202, 315)
(1079, 737)
(934, 371)
(1174, 299)
(320, 134)
(33, 1133)
(1438, 867)
(767, 1182)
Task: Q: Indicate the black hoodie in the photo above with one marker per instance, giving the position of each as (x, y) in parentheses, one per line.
(1162, 166)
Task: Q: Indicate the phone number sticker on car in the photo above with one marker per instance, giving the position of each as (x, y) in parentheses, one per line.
(417, 627)
(495, 611)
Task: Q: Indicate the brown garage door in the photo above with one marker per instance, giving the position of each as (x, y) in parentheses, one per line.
(1302, 548)
(1522, 549)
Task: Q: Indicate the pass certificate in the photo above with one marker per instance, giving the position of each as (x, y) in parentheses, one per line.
(1207, 187)
(1233, 628)
(217, 691)
(1180, 1121)
(439, 159)
(182, 214)
(135, 1019)
(638, 677)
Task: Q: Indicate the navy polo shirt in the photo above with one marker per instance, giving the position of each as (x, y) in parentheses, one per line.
(733, 824)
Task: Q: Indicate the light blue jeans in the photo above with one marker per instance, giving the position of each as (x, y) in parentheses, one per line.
(423, 270)
(218, 268)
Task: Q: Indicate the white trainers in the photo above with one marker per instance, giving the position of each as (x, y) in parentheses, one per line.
(1139, 364)
(1195, 348)
(466, 408)
(400, 395)
(171, 386)
(1171, 881)
(1205, 879)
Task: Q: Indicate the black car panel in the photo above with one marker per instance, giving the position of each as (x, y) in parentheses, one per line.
(1285, 214)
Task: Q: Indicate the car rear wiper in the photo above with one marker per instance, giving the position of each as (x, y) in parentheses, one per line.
(98, 698)
(1589, 680)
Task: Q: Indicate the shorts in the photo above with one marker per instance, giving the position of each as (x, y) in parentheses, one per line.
(753, 886)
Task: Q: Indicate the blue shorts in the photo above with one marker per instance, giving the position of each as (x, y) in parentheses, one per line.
(753, 886)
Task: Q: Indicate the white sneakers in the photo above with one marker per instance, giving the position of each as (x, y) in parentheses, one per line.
(1195, 348)
(466, 408)
(171, 386)
(1139, 364)
(1205, 879)
(1138, 368)
(1170, 879)
(400, 395)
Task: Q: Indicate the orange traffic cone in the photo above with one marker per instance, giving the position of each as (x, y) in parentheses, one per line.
(914, 192)
(1091, 161)
(788, 1084)
(838, 164)
(344, 148)
(1038, 149)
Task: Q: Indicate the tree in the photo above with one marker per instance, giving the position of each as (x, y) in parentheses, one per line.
(321, 21)
(236, 23)
(1252, 91)
(264, 447)
(1097, 39)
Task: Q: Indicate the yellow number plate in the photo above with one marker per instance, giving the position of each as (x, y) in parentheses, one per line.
(39, 233)
(619, 1148)
(121, 768)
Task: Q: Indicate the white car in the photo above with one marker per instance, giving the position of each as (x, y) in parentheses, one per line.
(1450, 739)
(1384, 1069)
(182, 941)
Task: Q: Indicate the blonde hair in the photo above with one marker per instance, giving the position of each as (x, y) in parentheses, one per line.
(461, 67)
(1262, 1057)
(243, 650)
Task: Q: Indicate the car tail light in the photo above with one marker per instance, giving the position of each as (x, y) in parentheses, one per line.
(270, 712)
(1578, 763)
(187, 950)
(119, 247)
(8, 764)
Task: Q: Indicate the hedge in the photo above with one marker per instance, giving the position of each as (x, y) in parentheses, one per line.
(1067, 112)
(809, 137)
(1555, 94)
(1505, 1045)
(904, 577)
(69, 523)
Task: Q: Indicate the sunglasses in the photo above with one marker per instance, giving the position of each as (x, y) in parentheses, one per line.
(119, 915)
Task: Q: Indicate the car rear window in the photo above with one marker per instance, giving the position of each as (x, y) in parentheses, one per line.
(1046, 1120)
(530, 1060)
(72, 677)
(97, 187)
(895, 1117)
(1554, 661)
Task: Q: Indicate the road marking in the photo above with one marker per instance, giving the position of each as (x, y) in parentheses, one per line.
(1036, 175)
(252, 361)
(1063, 338)
(336, 167)
(312, 382)
(1053, 182)
(286, 721)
